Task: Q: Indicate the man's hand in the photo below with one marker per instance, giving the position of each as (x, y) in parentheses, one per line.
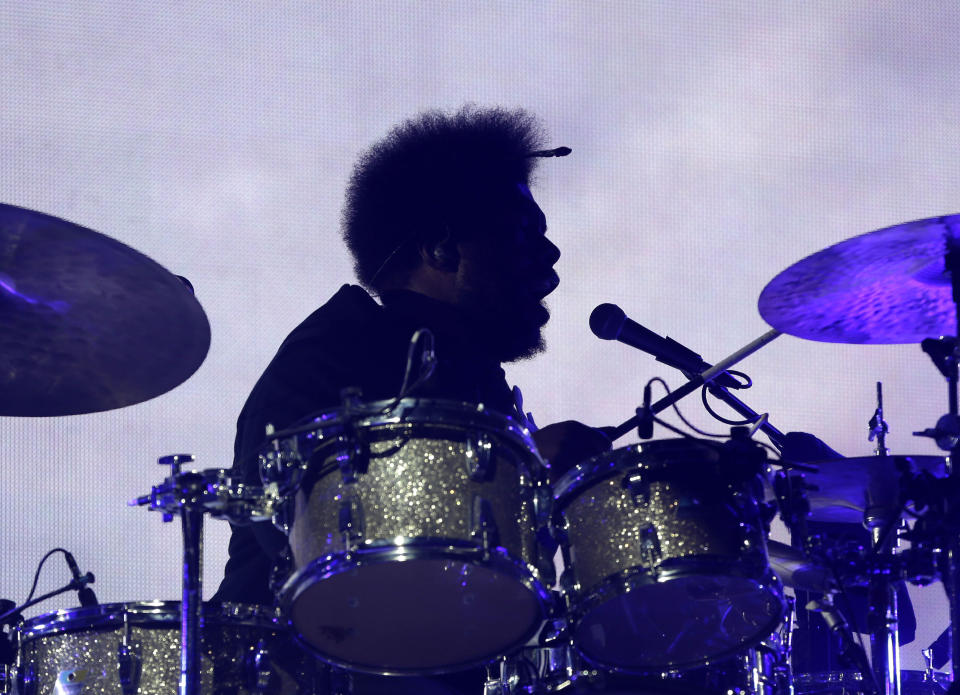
(565, 444)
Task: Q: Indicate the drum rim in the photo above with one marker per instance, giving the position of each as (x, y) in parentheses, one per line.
(633, 578)
(154, 612)
(415, 411)
(839, 677)
(598, 468)
(426, 548)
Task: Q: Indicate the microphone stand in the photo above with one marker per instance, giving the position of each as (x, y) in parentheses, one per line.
(75, 585)
(699, 380)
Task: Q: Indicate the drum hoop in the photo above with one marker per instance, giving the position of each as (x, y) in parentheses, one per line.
(112, 615)
(913, 676)
(418, 411)
(634, 578)
(430, 548)
(597, 469)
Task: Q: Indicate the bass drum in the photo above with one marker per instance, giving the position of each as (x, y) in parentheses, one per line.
(128, 648)
(414, 528)
(666, 555)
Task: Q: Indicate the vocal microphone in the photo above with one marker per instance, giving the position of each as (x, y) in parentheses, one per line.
(84, 592)
(609, 322)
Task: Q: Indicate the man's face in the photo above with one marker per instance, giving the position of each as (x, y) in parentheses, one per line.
(506, 272)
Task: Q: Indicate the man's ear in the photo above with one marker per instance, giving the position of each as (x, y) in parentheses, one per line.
(441, 254)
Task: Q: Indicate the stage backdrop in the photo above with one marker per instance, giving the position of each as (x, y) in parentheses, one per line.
(714, 144)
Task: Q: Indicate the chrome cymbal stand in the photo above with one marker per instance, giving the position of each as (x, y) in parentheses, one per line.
(182, 494)
(881, 517)
(945, 354)
(190, 495)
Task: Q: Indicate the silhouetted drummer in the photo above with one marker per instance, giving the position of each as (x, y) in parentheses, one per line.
(445, 233)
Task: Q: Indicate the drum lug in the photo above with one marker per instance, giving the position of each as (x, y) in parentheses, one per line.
(478, 456)
(483, 525)
(351, 520)
(258, 668)
(638, 489)
(129, 660)
(349, 460)
(650, 546)
(26, 676)
(129, 667)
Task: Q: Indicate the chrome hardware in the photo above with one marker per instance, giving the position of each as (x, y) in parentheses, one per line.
(258, 668)
(129, 668)
(350, 519)
(639, 490)
(478, 456)
(483, 525)
(350, 458)
(175, 461)
(650, 546)
(129, 660)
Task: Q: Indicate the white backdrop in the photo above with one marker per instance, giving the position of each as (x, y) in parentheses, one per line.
(714, 144)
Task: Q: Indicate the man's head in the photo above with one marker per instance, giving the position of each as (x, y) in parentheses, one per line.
(442, 206)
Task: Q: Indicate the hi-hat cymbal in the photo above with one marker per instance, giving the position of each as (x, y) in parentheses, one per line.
(845, 488)
(886, 286)
(87, 323)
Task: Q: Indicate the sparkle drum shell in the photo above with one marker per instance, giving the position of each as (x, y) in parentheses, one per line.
(666, 556)
(127, 648)
(414, 535)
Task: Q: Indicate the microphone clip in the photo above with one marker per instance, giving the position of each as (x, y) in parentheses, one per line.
(645, 416)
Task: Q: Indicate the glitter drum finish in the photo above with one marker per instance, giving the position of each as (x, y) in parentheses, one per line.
(887, 286)
(122, 648)
(414, 535)
(667, 556)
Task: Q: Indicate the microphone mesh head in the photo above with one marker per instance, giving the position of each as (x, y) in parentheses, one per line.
(606, 321)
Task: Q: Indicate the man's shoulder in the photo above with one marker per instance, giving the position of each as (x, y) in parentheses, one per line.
(350, 308)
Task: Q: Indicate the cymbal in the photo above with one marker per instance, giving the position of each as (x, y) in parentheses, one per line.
(798, 571)
(846, 487)
(886, 286)
(87, 323)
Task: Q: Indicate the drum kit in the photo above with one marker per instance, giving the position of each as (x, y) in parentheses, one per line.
(426, 537)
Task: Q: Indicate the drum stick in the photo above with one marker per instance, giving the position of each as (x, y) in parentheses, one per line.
(696, 382)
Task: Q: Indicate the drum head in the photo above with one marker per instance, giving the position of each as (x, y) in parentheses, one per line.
(426, 615)
(678, 623)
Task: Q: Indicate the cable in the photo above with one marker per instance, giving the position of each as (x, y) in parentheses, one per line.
(36, 576)
(718, 416)
(684, 420)
(428, 364)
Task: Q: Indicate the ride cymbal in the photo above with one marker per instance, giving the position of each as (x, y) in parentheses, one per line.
(87, 323)
(886, 286)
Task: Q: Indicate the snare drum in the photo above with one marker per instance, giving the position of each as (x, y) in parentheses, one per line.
(414, 535)
(666, 555)
(127, 648)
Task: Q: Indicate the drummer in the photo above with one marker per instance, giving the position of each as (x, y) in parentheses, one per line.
(445, 235)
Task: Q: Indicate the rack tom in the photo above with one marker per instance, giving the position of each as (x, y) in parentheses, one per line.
(414, 528)
(666, 560)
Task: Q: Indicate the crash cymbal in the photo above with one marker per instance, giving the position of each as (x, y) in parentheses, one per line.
(87, 323)
(886, 286)
(798, 571)
(845, 487)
